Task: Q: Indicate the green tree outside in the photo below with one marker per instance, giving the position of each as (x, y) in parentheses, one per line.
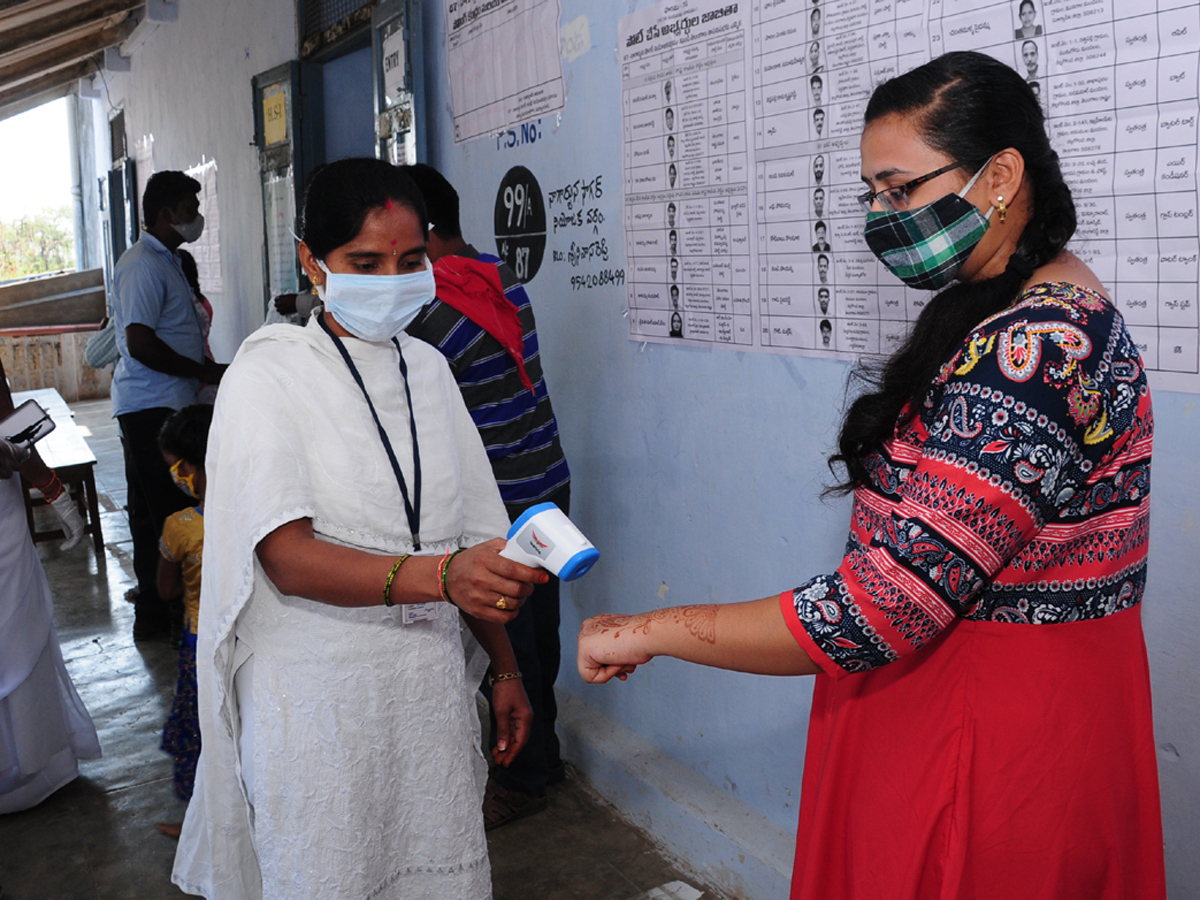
(37, 244)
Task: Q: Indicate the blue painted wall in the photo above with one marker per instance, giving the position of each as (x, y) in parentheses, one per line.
(697, 474)
(349, 106)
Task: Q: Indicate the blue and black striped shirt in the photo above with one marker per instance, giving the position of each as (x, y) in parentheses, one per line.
(518, 429)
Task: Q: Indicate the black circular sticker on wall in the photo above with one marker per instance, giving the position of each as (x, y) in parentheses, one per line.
(520, 222)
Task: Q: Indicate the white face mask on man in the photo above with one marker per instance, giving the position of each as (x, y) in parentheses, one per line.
(376, 307)
(190, 231)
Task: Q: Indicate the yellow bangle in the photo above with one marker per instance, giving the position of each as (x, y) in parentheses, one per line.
(387, 586)
(504, 676)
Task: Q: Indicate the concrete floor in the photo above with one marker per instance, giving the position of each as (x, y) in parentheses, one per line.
(95, 839)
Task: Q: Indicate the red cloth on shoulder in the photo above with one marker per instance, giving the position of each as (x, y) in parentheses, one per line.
(474, 289)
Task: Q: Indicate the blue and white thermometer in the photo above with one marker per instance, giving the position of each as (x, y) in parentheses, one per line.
(544, 537)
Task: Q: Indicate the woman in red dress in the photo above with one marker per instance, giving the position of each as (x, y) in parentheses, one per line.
(981, 722)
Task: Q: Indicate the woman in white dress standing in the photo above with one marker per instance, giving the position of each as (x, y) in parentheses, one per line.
(349, 493)
(44, 727)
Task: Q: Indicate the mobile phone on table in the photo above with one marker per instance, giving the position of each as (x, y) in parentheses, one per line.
(27, 424)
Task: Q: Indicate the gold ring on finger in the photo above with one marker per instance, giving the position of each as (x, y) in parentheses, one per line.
(502, 603)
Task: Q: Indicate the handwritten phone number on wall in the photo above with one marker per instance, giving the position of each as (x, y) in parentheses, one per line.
(598, 279)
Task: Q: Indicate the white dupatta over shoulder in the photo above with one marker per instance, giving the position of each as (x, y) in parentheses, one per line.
(365, 756)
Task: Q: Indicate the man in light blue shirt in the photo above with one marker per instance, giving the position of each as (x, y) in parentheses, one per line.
(162, 364)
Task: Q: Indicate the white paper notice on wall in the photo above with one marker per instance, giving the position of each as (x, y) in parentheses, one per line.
(207, 250)
(505, 63)
(393, 63)
(740, 128)
(280, 212)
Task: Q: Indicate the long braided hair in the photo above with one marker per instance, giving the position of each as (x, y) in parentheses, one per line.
(968, 106)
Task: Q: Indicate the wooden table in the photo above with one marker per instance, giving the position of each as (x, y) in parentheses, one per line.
(64, 450)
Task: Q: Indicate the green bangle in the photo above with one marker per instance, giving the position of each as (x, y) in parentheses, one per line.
(444, 568)
(387, 586)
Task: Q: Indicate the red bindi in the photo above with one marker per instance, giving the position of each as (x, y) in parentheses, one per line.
(393, 243)
(388, 205)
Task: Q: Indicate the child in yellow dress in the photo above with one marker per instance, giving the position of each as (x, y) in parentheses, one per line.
(183, 440)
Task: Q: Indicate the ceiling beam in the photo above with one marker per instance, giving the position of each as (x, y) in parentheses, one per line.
(32, 102)
(85, 13)
(14, 6)
(64, 54)
(48, 82)
(15, 15)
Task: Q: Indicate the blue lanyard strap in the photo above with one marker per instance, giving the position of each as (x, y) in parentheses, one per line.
(411, 509)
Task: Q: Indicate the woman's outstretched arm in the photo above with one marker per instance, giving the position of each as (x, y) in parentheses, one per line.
(299, 563)
(746, 637)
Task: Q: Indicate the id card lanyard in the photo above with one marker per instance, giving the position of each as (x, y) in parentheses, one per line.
(412, 509)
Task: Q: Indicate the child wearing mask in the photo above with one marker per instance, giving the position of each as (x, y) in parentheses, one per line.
(183, 440)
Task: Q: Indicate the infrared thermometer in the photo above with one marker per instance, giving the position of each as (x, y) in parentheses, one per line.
(544, 537)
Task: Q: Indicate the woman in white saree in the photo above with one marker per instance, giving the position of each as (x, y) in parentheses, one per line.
(44, 727)
(349, 510)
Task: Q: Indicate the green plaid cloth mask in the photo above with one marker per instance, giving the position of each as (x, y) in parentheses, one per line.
(925, 247)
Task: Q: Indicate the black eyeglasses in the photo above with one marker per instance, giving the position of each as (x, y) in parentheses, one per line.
(896, 198)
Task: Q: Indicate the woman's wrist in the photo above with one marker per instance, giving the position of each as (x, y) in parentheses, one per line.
(642, 642)
(501, 658)
(625, 636)
(51, 487)
(443, 573)
(391, 576)
(414, 579)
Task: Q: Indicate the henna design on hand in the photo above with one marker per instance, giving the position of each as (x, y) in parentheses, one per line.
(602, 623)
(699, 621)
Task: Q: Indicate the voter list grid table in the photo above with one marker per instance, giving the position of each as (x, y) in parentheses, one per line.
(813, 68)
(1119, 81)
(687, 209)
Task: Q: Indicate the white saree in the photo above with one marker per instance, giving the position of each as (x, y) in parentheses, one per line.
(44, 726)
(365, 752)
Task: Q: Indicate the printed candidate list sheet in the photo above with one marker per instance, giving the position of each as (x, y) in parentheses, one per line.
(741, 164)
(686, 175)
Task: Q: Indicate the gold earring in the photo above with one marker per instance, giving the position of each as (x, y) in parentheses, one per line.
(1003, 210)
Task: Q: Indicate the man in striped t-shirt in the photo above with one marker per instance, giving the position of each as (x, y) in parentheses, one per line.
(483, 324)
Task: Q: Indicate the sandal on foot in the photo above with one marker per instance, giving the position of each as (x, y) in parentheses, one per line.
(501, 806)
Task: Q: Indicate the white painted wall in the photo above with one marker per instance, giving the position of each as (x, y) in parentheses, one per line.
(696, 473)
(189, 86)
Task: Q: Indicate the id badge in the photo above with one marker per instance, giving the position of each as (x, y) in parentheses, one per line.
(417, 612)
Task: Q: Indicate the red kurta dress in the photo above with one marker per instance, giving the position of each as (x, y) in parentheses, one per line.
(983, 727)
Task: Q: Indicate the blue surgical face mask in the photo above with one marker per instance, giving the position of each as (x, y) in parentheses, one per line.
(376, 308)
